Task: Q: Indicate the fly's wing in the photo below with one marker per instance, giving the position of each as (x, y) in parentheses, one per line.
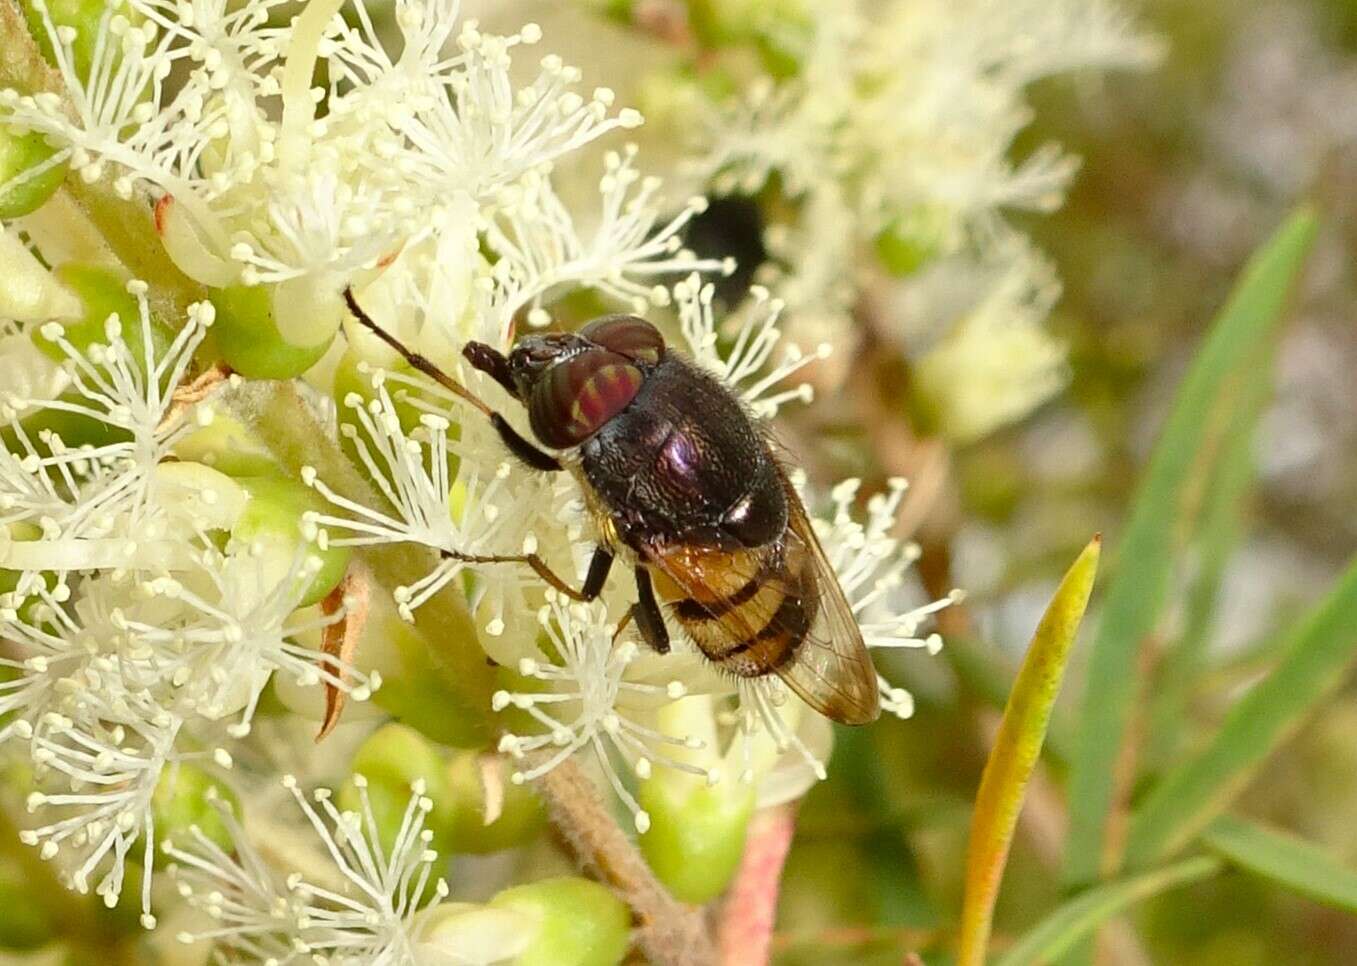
(831, 671)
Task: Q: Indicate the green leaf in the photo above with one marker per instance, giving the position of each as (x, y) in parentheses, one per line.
(1290, 862)
(1017, 746)
(1221, 527)
(1079, 917)
(1157, 527)
(1200, 788)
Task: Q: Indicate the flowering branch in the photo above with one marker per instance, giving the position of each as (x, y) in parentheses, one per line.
(126, 225)
(284, 422)
(670, 933)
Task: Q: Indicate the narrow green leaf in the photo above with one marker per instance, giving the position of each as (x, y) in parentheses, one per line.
(1221, 527)
(1154, 532)
(1079, 917)
(1017, 746)
(1290, 862)
(1197, 790)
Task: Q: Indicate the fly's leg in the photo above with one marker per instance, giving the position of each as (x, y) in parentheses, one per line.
(536, 458)
(493, 363)
(520, 447)
(599, 566)
(646, 611)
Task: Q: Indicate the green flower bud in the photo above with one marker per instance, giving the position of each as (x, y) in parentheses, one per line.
(275, 514)
(913, 240)
(183, 800)
(247, 336)
(20, 153)
(724, 22)
(226, 444)
(81, 15)
(392, 760)
(415, 686)
(102, 292)
(619, 10)
(578, 922)
(697, 831)
(516, 818)
(476, 934)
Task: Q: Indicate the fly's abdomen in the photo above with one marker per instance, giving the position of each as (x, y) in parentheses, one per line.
(578, 396)
(758, 609)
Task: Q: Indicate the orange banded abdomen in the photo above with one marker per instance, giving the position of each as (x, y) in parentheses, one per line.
(747, 611)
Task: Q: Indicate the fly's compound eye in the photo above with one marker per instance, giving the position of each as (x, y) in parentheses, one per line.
(629, 336)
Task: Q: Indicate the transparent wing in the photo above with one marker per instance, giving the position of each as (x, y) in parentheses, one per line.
(833, 672)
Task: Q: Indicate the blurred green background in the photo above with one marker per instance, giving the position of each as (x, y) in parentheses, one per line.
(1186, 169)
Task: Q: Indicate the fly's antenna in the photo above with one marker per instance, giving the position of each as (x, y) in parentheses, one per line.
(414, 358)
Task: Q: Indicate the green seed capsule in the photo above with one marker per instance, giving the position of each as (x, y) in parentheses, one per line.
(579, 923)
(518, 817)
(83, 16)
(102, 292)
(183, 800)
(246, 334)
(20, 153)
(227, 444)
(912, 241)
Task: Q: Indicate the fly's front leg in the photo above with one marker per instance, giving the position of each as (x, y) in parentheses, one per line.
(646, 611)
(493, 363)
(599, 566)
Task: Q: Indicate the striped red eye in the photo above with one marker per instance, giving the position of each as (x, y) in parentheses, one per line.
(627, 335)
(580, 394)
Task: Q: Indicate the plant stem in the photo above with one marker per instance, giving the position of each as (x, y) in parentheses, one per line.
(669, 933)
(288, 426)
(746, 930)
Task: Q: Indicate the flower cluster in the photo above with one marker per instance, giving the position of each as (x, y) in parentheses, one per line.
(358, 908)
(889, 127)
(140, 622)
(418, 155)
(161, 566)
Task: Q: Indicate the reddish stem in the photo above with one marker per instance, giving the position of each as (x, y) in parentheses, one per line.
(746, 928)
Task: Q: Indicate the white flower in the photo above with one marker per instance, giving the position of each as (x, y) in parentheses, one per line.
(111, 761)
(93, 504)
(490, 507)
(589, 704)
(249, 193)
(996, 363)
(871, 566)
(752, 343)
(359, 907)
(899, 122)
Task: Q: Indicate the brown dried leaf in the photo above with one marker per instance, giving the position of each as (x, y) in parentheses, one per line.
(340, 639)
